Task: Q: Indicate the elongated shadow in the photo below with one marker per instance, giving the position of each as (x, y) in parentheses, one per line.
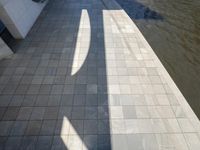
(66, 50)
(86, 120)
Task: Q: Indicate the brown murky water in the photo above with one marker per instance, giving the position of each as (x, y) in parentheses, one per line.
(172, 28)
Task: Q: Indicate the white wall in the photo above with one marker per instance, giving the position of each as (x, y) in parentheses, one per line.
(4, 49)
(19, 15)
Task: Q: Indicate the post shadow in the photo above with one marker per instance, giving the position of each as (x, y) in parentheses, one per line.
(94, 114)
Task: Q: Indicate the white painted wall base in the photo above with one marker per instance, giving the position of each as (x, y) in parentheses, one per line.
(5, 51)
(19, 15)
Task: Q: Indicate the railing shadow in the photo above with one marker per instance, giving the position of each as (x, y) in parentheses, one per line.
(86, 120)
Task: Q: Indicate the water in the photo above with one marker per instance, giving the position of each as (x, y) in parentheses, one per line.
(172, 28)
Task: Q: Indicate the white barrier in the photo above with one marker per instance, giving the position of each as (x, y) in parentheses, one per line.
(19, 15)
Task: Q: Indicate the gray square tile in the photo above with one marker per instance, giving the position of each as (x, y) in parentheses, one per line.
(29, 100)
(44, 142)
(104, 127)
(51, 113)
(5, 127)
(80, 89)
(45, 89)
(67, 100)
(91, 112)
(33, 128)
(11, 113)
(90, 141)
(57, 89)
(76, 127)
(104, 142)
(90, 127)
(78, 112)
(42, 100)
(79, 100)
(16, 100)
(5, 100)
(28, 142)
(48, 127)
(33, 89)
(38, 113)
(13, 143)
(54, 100)
(18, 128)
(65, 112)
(24, 113)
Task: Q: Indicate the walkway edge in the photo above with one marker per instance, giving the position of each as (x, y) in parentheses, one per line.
(161, 69)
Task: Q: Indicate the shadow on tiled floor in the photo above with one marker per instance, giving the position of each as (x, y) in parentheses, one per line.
(44, 105)
(84, 79)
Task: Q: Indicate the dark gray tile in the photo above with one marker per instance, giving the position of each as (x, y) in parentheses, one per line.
(42, 100)
(45, 89)
(22, 89)
(18, 128)
(13, 143)
(92, 100)
(33, 89)
(68, 89)
(59, 80)
(129, 112)
(66, 100)
(78, 112)
(2, 111)
(79, 100)
(51, 71)
(28, 143)
(90, 127)
(91, 112)
(80, 89)
(103, 112)
(2, 142)
(9, 89)
(48, 127)
(5, 127)
(11, 113)
(90, 141)
(104, 127)
(54, 100)
(37, 113)
(77, 127)
(29, 100)
(51, 113)
(58, 143)
(57, 89)
(102, 100)
(104, 142)
(17, 100)
(33, 128)
(24, 113)
(26, 80)
(44, 142)
(5, 100)
(65, 112)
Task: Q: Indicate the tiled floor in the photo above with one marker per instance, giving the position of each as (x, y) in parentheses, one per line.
(84, 78)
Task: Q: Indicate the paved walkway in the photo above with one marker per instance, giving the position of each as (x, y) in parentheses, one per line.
(85, 78)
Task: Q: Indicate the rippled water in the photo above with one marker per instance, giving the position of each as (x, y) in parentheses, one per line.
(172, 28)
